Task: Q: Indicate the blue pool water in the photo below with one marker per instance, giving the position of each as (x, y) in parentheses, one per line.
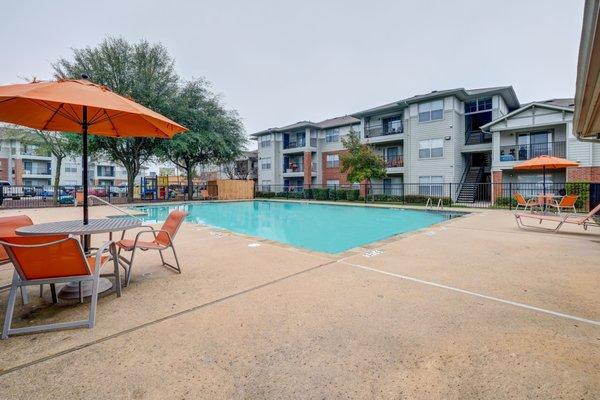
(318, 227)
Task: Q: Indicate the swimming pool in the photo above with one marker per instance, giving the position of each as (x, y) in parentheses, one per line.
(318, 227)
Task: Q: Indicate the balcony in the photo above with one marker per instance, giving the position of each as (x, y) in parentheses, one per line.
(372, 131)
(477, 137)
(522, 152)
(299, 145)
(37, 171)
(394, 161)
(293, 144)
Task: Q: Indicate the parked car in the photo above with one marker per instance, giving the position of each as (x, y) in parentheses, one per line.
(11, 192)
(28, 191)
(119, 191)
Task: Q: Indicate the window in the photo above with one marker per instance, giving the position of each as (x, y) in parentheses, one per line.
(265, 163)
(265, 141)
(478, 105)
(332, 135)
(431, 148)
(431, 185)
(333, 160)
(431, 111)
(332, 184)
(70, 167)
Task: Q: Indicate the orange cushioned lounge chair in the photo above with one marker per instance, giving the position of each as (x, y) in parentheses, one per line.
(51, 259)
(162, 240)
(584, 221)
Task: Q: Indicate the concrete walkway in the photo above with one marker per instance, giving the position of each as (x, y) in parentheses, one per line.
(469, 309)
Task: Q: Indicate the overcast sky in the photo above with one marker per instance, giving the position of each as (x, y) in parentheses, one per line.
(278, 62)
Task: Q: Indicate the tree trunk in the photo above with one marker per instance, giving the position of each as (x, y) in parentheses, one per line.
(57, 178)
(131, 173)
(190, 182)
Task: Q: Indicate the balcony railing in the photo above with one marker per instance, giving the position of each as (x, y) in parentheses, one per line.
(394, 161)
(294, 167)
(383, 130)
(37, 171)
(293, 144)
(478, 137)
(522, 152)
(36, 153)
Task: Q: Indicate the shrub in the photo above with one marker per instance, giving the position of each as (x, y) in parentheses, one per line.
(505, 202)
(308, 194)
(266, 195)
(582, 189)
(321, 194)
(352, 194)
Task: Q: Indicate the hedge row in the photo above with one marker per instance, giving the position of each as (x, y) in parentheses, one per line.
(351, 195)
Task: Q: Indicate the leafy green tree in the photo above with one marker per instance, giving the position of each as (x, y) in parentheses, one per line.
(60, 145)
(143, 71)
(360, 161)
(215, 135)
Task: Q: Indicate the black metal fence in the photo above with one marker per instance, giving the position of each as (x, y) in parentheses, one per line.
(480, 195)
(44, 196)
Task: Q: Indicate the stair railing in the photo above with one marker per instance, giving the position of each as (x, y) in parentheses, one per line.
(464, 176)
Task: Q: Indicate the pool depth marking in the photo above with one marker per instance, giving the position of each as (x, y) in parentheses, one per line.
(482, 296)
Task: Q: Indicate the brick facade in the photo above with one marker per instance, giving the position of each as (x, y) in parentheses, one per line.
(307, 168)
(583, 174)
(18, 171)
(331, 174)
(496, 185)
(4, 169)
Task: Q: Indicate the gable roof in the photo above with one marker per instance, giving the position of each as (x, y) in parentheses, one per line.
(552, 104)
(507, 92)
(325, 124)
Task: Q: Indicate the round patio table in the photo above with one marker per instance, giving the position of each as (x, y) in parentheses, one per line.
(94, 226)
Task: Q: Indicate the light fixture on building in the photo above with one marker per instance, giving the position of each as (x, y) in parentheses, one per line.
(447, 137)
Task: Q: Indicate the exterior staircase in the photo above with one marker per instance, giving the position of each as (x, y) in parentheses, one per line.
(469, 185)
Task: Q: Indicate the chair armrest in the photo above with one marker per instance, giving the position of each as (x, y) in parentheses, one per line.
(154, 232)
(99, 253)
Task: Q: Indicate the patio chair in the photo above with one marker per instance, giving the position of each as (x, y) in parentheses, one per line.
(585, 221)
(33, 256)
(8, 225)
(162, 239)
(567, 202)
(521, 202)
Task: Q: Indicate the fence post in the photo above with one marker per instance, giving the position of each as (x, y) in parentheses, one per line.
(450, 190)
(510, 195)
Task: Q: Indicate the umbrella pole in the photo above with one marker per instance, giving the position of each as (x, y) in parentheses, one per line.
(544, 185)
(84, 163)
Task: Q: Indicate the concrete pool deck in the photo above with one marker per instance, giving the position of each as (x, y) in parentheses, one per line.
(471, 308)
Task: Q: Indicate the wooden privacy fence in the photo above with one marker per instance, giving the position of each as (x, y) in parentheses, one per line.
(230, 189)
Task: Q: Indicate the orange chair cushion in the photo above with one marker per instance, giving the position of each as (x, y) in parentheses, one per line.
(58, 260)
(8, 225)
(127, 245)
(171, 225)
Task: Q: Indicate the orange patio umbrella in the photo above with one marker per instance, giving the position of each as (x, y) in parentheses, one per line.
(543, 163)
(81, 106)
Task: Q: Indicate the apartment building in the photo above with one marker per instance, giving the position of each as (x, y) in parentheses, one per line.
(24, 164)
(459, 136)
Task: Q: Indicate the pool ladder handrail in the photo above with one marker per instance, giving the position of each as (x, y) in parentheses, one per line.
(91, 196)
(429, 204)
